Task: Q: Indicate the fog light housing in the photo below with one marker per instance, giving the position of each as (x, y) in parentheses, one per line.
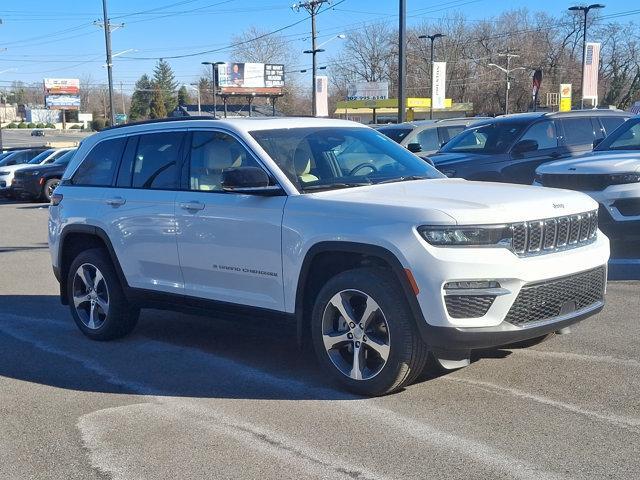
(472, 285)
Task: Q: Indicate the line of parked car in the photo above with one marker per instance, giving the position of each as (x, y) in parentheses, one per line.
(596, 152)
(33, 173)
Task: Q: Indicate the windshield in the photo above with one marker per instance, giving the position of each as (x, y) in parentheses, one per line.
(395, 133)
(325, 158)
(40, 158)
(625, 137)
(6, 159)
(486, 139)
(64, 158)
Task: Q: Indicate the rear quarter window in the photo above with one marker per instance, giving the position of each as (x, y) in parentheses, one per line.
(99, 166)
(578, 131)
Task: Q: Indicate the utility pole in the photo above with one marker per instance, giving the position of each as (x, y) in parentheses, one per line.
(402, 61)
(312, 7)
(432, 38)
(124, 110)
(585, 10)
(108, 27)
(213, 86)
(507, 71)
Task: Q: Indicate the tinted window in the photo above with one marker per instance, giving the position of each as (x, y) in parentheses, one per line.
(578, 131)
(329, 157)
(211, 154)
(544, 133)
(396, 133)
(611, 123)
(486, 139)
(99, 166)
(40, 157)
(447, 133)
(65, 158)
(627, 138)
(428, 139)
(155, 164)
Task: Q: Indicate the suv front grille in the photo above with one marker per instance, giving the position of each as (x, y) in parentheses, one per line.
(548, 235)
(468, 306)
(576, 181)
(546, 300)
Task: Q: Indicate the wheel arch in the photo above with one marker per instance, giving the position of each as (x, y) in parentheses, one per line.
(77, 238)
(329, 258)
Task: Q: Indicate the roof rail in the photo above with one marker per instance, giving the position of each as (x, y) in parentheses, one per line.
(163, 120)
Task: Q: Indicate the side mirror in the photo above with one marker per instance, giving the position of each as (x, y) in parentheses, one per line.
(414, 147)
(248, 180)
(597, 142)
(524, 146)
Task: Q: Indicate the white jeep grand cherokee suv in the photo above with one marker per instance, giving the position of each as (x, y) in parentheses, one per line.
(374, 255)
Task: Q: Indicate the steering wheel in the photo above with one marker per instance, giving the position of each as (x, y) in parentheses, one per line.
(363, 165)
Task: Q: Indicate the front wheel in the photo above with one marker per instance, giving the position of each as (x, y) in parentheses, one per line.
(49, 187)
(364, 334)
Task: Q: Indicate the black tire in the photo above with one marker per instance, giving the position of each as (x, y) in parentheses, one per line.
(529, 343)
(121, 318)
(49, 187)
(407, 352)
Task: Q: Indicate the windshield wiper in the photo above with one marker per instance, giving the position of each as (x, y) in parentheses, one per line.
(329, 186)
(407, 178)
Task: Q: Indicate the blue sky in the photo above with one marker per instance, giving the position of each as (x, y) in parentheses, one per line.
(57, 39)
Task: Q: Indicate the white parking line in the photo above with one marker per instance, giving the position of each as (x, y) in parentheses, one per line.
(606, 359)
(32, 330)
(616, 420)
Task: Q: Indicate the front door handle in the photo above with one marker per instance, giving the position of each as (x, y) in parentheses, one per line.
(115, 201)
(192, 206)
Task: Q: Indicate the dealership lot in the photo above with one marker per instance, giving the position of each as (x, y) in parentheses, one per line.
(193, 397)
(14, 138)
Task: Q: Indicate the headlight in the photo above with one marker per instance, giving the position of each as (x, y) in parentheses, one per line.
(499, 236)
(621, 178)
(5, 173)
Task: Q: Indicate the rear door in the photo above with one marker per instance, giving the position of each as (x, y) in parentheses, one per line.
(229, 243)
(578, 134)
(522, 166)
(139, 211)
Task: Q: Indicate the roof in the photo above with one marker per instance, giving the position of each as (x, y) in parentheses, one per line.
(232, 109)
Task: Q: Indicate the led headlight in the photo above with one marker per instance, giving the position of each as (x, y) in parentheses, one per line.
(622, 178)
(5, 173)
(499, 236)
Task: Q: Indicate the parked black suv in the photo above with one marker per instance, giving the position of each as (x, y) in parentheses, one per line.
(39, 182)
(510, 148)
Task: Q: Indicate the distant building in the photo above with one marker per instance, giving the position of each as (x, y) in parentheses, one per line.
(8, 113)
(232, 111)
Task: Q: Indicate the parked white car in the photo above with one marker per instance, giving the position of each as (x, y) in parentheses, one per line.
(375, 257)
(7, 172)
(610, 175)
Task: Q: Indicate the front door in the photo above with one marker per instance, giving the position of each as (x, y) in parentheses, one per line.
(229, 244)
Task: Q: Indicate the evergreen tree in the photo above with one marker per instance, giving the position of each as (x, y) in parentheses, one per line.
(141, 99)
(164, 79)
(183, 96)
(157, 109)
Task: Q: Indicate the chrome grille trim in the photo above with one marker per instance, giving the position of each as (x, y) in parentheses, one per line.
(552, 234)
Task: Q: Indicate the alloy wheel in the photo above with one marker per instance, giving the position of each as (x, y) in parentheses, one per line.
(355, 334)
(90, 296)
(51, 188)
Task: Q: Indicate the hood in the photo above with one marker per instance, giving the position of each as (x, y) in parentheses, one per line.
(14, 168)
(51, 167)
(460, 201)
(606, 162)
(444, 158)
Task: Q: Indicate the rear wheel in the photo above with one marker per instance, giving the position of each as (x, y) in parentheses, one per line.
(96, 299)
(364, 334)
(49, 187)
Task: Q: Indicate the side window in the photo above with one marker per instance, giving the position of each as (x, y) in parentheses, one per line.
(428, 139)
(611, 123)
(211, 154)
(155, 165)
(544, 133)
(578, 131)
(99, 166)
(447, 133)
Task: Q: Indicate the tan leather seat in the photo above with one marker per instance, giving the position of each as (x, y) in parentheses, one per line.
(302, 164)
(217, 156)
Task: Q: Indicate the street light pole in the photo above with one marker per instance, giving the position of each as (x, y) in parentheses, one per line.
(402, 60)
(107, 40)
(507, 71)
(432, 38)
(312, 7)
(585, 10)
(213, 85)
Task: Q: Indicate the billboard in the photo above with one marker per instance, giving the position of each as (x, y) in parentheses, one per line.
(62, 102)
(250, 78)
(438, 84)
(368, 91)
(62, 86)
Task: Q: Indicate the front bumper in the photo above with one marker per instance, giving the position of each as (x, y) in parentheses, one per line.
(26, 186)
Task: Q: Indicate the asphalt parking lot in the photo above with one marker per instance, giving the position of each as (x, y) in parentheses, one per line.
(191, 397)
(14, 137)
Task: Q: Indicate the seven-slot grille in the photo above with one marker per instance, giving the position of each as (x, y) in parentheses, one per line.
(552, 298)
(545, 236)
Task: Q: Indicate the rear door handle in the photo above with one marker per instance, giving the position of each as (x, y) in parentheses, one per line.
(115, 201)
(192, 206)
